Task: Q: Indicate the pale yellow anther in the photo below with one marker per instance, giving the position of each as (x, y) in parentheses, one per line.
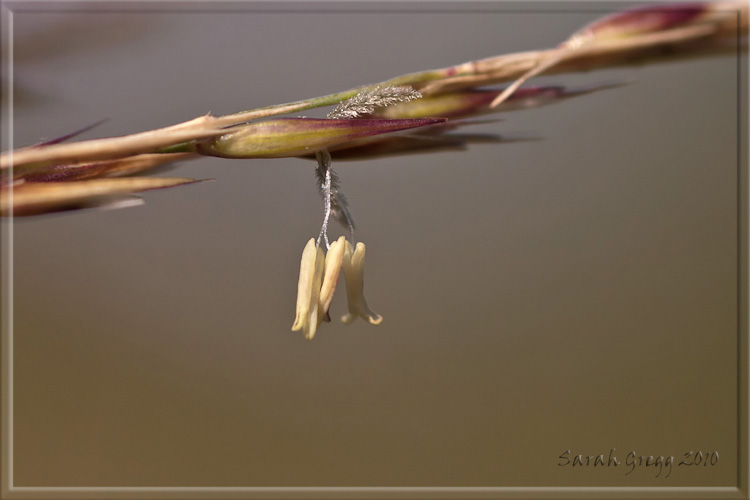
(333, 262)
(354, 275)
(308, 289)
(318, 277)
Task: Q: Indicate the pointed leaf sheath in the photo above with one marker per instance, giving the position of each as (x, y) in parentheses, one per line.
(472, 102)
(308, 290)
(354, 274)
(637, 21)
(299, 136)
(452, 104)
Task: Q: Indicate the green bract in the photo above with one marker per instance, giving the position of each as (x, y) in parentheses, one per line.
(300, 136)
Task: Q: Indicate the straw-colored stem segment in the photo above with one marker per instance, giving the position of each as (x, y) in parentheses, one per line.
(105, 149)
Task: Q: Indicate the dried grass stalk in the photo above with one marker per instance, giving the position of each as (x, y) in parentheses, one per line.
(636, 36)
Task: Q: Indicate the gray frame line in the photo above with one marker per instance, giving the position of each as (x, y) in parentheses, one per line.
(8, 491)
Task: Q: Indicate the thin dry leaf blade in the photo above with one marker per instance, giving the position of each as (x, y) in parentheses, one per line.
(32, 198)
(108, 168)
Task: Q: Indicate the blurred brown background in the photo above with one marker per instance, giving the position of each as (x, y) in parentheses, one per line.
(576, 292)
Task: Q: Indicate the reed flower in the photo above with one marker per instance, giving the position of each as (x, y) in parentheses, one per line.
(52, 176)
